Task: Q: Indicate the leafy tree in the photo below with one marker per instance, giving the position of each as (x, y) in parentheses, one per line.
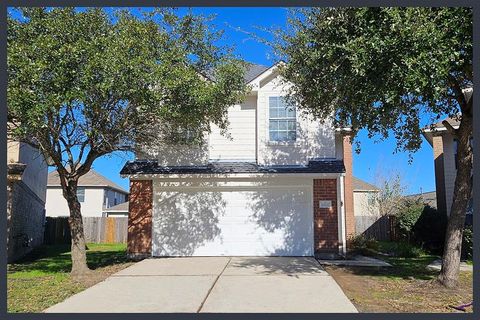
(83, 84)
(382, 69)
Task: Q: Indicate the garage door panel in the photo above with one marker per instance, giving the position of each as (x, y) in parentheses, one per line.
(211, 222)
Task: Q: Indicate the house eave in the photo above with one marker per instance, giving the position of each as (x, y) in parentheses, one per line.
(313, 175)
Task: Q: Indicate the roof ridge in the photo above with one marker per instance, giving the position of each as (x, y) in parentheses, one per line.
(54, 180)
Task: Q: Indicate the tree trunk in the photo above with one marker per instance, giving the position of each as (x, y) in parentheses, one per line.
(461, 195)
(79, 253)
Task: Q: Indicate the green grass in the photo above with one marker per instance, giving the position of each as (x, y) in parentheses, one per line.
(407, 261)
(407, 286)
(42, 278)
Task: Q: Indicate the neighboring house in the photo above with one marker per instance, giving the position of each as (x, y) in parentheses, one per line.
(280, 185)
(95, 194)
(364, 198)
(120, 210)
(26, 188)
(366, 209)
(445, 160)
(427, 198)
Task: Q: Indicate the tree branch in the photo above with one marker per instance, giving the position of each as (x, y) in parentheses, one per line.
(449, 128)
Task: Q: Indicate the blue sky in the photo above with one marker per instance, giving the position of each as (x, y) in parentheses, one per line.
(374, 157)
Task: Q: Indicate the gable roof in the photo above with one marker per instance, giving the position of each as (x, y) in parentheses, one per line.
(453, 122)
(90, 179)
(439, 128)
(253, 71)
(360, 185)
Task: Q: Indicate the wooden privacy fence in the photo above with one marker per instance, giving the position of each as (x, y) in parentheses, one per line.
(96, 229)
(379, 228)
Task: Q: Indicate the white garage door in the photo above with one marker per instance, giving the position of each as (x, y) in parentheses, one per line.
(233, 222)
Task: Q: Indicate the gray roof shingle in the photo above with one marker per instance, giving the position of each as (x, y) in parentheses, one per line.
(360, 185)
(119, 207)
(152, 167)
(91, 179)
(252, 71)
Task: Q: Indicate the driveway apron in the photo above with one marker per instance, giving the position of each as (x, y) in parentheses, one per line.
(214, 284)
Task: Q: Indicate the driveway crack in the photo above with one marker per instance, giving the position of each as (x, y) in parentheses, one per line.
(213, 285)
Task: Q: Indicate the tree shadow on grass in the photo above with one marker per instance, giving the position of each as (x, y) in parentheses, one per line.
(402, 268)
(57, 259)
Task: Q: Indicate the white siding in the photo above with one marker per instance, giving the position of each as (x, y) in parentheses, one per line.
(243, 217)
(248, 138)
(240, 144)
(361, 206)
(56, 204)
(36, 172)
(314, 140)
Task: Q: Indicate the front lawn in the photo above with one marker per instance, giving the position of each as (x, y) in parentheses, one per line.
(406, 287)
(42, 279)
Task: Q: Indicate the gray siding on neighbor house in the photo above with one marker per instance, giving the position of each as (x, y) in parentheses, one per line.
(27, 221)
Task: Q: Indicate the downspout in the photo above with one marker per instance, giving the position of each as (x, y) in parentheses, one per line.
(342, 243)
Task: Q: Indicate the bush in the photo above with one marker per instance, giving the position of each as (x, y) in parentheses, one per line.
(407, 218)
(467, 243)
(363, 245)
(429, 230)
(401, 249)
(407, 250)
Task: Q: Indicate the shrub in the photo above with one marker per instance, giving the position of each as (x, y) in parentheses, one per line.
(363, 245)
(467, 243)
(407, 218)
(407, 250)
(430, 228)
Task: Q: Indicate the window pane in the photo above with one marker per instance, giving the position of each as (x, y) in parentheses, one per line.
(282, 135)
(273, 113)
(282, 125)
(292, 125)
(291, 112)
(273, 125)
(273, 135)
(282, 113)
(273, 101)
(81, 194)
(292, 135)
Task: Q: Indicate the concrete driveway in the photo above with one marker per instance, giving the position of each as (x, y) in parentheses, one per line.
(214, 284)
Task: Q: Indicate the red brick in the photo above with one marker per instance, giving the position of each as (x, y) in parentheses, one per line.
(140, 218)
(325, 220)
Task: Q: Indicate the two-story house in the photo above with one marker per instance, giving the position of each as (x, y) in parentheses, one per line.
(95, 193)
(445, 161)
(26, 187)
(279, 185)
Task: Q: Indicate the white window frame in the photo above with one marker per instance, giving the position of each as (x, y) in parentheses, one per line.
(287, 119)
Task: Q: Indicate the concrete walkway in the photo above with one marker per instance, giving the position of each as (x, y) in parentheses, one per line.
(437, 266)
(214, 284)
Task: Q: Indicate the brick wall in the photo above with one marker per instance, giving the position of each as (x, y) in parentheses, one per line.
(325, 229)
(348, 189)
(140, 218)
(26, 222)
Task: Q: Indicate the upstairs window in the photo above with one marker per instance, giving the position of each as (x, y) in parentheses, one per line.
(81, 194)
(282, 120)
